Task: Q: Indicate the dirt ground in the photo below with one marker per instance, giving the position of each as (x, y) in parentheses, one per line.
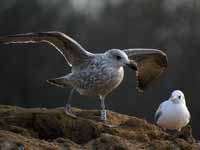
(52, 129)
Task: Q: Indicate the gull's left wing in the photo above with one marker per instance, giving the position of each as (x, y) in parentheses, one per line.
(151, 64)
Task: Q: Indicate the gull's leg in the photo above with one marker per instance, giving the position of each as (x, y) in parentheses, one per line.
(104, 114)
(103, 110)
(67, 108)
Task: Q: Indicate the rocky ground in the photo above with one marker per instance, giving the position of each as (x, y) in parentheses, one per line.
(51, 129)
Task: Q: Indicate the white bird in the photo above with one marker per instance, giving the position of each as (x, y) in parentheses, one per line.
(173, 114)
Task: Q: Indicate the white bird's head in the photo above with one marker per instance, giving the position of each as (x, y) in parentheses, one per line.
(120, 58)
(177, 96)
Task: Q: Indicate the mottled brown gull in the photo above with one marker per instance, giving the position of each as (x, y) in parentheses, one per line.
(96, 74)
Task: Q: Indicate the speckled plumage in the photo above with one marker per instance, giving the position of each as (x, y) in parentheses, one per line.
(97, 74)
(98, 78)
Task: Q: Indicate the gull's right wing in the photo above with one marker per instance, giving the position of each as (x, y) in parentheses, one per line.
(72, 51)
(158, 113)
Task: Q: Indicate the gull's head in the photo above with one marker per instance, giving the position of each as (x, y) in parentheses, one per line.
(120, 58)
(177, 96)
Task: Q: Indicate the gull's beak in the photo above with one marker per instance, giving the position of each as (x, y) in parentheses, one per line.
(132, 64)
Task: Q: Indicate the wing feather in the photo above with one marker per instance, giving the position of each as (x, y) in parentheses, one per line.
(151, 64)
(72, 51)
(158, 114)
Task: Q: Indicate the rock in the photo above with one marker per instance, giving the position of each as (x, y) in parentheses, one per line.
(52, 129)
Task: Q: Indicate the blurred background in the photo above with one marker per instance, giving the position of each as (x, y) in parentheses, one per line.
(98, 25)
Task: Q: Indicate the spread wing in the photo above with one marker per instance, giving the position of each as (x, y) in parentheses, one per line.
(151, 64)
(72, 51)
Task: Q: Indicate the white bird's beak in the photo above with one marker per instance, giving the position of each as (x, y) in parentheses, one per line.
(172, 97)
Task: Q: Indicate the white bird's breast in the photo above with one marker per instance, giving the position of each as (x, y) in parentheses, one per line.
(174, 116)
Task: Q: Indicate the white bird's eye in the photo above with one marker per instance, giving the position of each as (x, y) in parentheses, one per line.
(179, 96)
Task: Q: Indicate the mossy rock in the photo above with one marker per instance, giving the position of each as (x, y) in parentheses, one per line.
(52, 129)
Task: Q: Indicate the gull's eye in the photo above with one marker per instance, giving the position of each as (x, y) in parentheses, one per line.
(179, 97)
(118, 57)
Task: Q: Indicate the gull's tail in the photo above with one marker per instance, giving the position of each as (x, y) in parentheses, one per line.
(59, 82)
